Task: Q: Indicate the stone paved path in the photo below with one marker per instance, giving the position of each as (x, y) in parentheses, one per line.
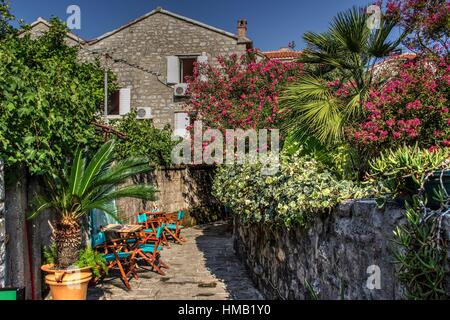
(203, 268)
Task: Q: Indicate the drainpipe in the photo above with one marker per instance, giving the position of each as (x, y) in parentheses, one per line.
(106, 96)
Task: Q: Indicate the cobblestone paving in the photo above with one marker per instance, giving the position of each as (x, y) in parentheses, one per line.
(203, 268)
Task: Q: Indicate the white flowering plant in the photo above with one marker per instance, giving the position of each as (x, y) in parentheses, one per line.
(302, 188)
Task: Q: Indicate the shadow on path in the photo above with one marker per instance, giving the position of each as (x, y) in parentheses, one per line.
(216, 244)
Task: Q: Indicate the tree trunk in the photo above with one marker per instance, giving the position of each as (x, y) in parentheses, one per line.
(68, 242)
(16, 204)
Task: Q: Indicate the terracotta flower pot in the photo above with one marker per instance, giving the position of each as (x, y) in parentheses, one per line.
(67, 284)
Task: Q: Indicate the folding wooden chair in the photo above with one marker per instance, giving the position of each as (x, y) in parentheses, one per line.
(151, 222)
(117, 254)
(150, 250)
(173, 227)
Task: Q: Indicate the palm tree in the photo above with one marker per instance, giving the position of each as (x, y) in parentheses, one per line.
(348, 52)
(88, 186)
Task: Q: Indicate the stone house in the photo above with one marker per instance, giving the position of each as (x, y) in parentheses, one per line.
(152, 56)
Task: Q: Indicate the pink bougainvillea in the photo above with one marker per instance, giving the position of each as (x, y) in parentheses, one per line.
(240, 92)
(412, 107)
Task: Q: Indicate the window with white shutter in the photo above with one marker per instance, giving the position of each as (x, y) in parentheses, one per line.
(173, 70)
(125, 101)
(120, 102)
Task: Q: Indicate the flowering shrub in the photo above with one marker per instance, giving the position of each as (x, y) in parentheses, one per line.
(240, 92)
(412, 107)
(427, 20)
(301, 188)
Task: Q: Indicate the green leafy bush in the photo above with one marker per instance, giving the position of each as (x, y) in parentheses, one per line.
(301, 188)
(404, 171)
(94, 260)
(88, 258)
(144, 140)
(422, 253)
(48, 100)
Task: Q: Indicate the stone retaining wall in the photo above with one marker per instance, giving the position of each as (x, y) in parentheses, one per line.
(187, 188)
(333, 258)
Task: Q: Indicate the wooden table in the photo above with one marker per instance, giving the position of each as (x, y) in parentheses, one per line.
(122, 228)
(123, 233)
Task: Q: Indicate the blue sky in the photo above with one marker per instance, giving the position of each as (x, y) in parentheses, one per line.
(272, 23)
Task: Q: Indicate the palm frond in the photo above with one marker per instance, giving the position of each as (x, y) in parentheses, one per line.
(142, 191)
(107, 207)
(94, 186)
(345, 52)
(40, 204)
(313, 109)
(349, 29)
(101, 159)
(379, 45)
(77, 172)
(121, 171)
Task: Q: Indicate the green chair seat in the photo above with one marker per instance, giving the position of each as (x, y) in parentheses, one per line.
(110, 256)
(173, 226)
(149, 248)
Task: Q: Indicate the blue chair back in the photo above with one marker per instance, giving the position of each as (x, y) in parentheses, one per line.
(160, 231)
(98, 239)
(180, 214)
(142, 218)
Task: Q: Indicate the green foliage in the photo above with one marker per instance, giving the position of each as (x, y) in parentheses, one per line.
(144, 140)
(50, 254)
(339, 159)
(6, 17)
(48, 100)
(93, 185)
(301, 189)
(88, 258)
(94, 260)
(422, 254)
(347, 53)
(404, 171)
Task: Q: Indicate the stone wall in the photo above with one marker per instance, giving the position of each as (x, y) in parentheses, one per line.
(187, 188)
(332, 257)
(2, 227)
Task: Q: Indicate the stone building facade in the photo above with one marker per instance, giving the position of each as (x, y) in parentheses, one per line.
(151, 56)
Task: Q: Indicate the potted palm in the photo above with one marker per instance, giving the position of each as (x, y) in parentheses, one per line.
(72, 194)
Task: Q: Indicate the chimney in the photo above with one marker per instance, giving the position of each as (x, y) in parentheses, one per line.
(242, 28)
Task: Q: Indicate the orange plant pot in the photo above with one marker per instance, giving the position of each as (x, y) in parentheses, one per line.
(67, 284)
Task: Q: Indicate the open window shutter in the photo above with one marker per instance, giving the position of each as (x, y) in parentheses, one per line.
(125, 101)
(173, 70)
(203, 59)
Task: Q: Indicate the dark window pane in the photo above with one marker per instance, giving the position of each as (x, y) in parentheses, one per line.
(188, 68)
(114, 103)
